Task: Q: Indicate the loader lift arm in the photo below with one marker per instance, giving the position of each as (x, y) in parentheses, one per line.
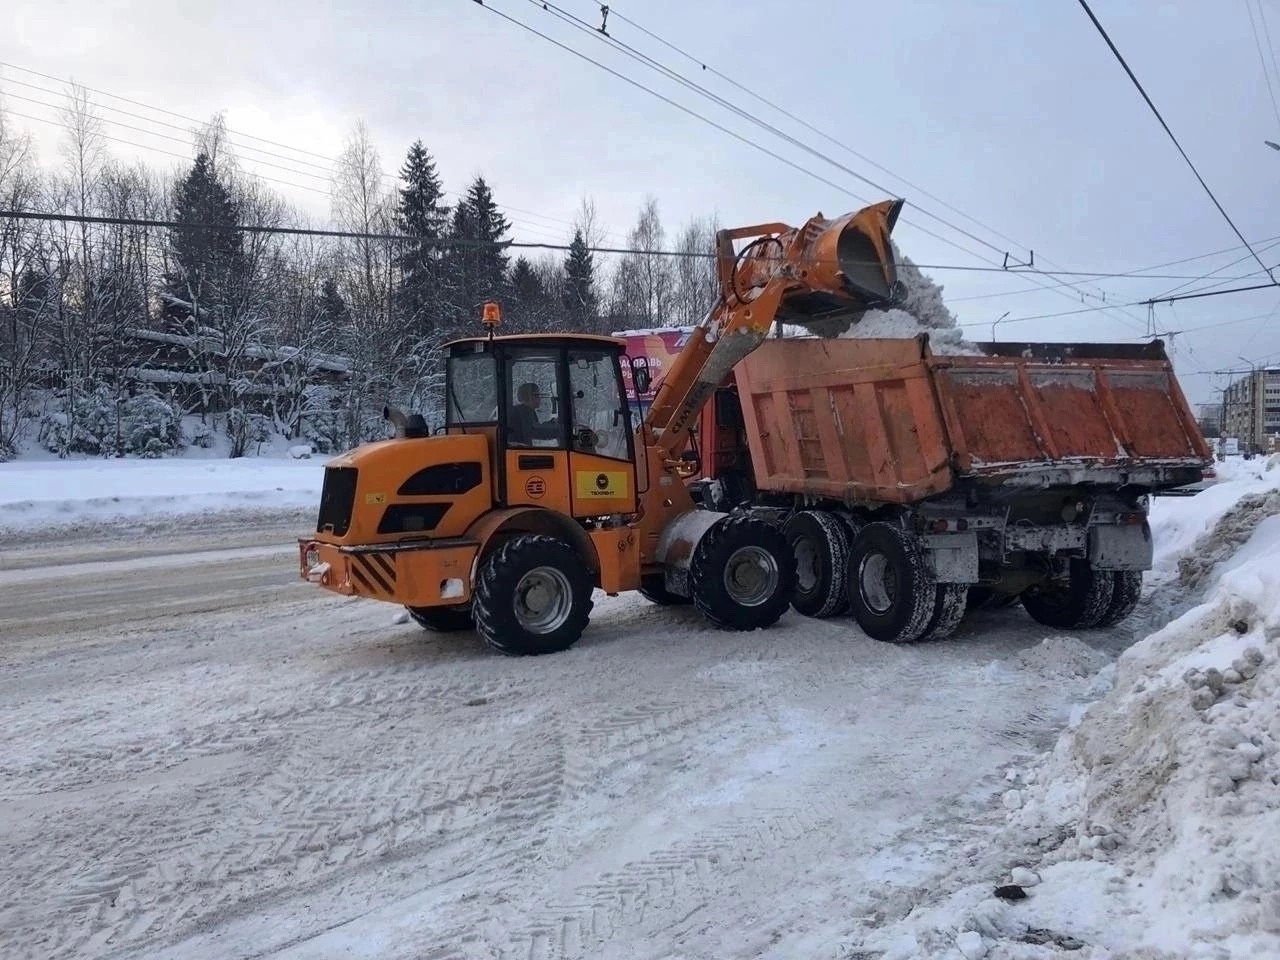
(822, 276)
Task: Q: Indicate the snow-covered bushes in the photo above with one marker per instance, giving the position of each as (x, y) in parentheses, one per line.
(99, 423)
(246, 430)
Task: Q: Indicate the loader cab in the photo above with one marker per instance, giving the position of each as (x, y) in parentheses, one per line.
(556, 415)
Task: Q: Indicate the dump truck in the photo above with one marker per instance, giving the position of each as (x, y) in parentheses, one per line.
(543, 488)
(913, 486)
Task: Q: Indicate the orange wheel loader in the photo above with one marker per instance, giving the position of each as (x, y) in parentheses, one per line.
(540, 490)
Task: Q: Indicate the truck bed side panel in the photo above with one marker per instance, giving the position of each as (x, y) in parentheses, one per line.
(886, 421)
(1004, 412)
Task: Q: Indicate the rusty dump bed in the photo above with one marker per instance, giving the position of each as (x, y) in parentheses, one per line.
(888, 421)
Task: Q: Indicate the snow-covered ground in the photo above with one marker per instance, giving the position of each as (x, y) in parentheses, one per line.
(36, 496)
(201, 756)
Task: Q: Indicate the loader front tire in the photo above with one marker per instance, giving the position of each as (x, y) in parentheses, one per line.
(442, 619)
(821, 546)
(532, 596)
(743, 574)
(892, 592)
(1079, 602)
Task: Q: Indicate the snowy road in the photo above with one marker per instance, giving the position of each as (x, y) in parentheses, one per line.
(202, 757)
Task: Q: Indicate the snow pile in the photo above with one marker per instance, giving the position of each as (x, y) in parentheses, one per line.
(1160, 808)
(1151, 831)
(72, 493)
(921, 311)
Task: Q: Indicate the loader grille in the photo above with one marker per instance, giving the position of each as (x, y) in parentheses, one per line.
(337, 498)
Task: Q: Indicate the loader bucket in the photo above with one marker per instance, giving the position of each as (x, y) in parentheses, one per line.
(848, 269)
(858, 247)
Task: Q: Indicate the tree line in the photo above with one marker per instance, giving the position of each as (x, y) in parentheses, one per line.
(113, 336)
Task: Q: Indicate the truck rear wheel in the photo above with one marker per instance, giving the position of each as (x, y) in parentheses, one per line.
(442, 619)
(532, 596)
(892, 592)
(821, 548)
(1079, 602)
(1126, 591)
(743, 574)
(653, 588)
(948, 610)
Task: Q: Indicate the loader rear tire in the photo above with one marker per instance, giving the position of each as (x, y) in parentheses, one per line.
(743, 574)
(653, 588)
(1126, 591)
(892, 592)
(1079, 602)
(821, 548)
(442, 619)
(532, 596)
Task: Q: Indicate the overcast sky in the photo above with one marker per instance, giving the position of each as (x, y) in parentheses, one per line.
(1014, 113)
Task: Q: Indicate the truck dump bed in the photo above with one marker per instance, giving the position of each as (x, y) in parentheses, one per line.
(888, 421)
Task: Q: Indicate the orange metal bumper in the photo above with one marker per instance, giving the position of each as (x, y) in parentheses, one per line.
(421, 574)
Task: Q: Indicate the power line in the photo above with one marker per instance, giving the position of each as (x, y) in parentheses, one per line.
(1221, 210)
(1102, 294)
(1266, 73)
(705, 119)
(1271, 47)
(329, 162)
(1208, 293)
(1131, 321)
(524, 226)
(446, 241)
(579, 24)
(1140, 273)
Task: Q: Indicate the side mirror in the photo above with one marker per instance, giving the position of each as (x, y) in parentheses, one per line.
(640, 377)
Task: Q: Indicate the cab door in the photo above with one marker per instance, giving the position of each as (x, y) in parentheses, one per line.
(602, 472)
(534, 437)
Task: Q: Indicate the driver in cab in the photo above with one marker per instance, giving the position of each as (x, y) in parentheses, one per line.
(523, 425)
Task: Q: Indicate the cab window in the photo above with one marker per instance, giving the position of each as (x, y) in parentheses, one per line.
(472, 389)
(601, 420)
(535, 415)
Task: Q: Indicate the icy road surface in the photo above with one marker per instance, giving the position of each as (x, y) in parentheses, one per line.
(202, 757)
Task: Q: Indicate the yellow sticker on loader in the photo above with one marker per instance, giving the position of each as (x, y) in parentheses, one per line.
(601, 484)
(372, 498)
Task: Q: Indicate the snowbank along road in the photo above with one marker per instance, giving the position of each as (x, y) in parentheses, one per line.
(205, 758)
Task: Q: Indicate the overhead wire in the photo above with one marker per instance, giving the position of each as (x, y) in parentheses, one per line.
(1123, 63)
(1266, 72)
(445, 241)
(1099, 295)
(1271, 47)
(581, 25)
(329, 162)
(534, 228)
(1131, 320)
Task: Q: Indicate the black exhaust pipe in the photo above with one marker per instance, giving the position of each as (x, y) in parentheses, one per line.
(406, 426)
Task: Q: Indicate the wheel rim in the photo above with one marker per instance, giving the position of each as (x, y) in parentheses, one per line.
(543, 600)
(751, 576)
(806, 564)
(877, 583)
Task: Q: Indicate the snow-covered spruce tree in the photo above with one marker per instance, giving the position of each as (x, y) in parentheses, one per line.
(529, 308)
(580, 299)
(476, 260)
(422, 215)
(204, 260)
